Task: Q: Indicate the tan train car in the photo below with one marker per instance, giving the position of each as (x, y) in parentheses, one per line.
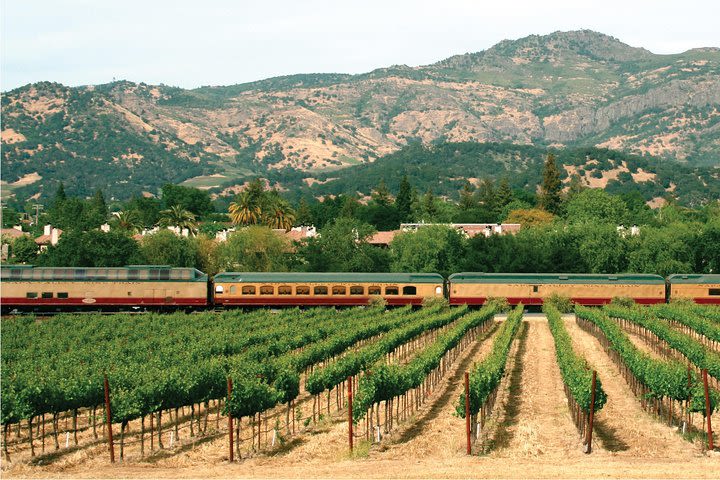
(530, 289)
(275, 289)
(28, 287)
(703, 289)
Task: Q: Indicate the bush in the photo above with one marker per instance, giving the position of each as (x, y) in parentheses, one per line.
(682, 302)
(377, 301)
(500, 303)
(435, 302)
(562, 303)
(625, 302)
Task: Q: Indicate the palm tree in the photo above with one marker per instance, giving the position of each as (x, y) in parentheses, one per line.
(127, 220)
(244, 211)
(176, 216)
(280, 215)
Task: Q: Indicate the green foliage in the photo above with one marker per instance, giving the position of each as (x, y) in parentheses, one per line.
(385, 382)
(697, 353)
(596, 205)
(194, 200)
(662, 378)
(254, 249)
(624, 302)
(24, 249)
(91, 249)
(574, 370)
(166, 248)
(433, 248)
(500, 304)
(486, 375)
(342, 247)
(551, 186)
(559, 303)
(351, 364)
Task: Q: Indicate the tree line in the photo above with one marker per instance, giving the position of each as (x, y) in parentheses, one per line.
(575, 229)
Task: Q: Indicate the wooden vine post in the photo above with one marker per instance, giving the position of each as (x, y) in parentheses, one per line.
(592, 413)
(468, 427)
(708, 410)
(109, 420)
(230, 419)
(350, 411)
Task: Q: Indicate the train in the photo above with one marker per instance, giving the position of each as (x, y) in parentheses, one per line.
(158, 287)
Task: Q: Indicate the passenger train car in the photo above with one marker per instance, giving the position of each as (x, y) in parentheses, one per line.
(699, 288)
(531, 288)
(250, 289)
(25, 287)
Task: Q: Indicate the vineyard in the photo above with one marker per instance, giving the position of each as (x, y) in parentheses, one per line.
(270, 388)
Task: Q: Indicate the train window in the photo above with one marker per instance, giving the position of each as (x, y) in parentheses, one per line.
(80, 274)
(219, 289)
(714, 291)
(409, 290)
(31, 295)
(267, 290)
(233, 289)
(302, 290)
(62, 295)
(320, 290)
(392, 291)
(374, 291)
(357, 290)
(133, 274)
(438, 291)
(37, 274)
(284, 290)
(535, 288)
(16, 273)
(338, 290)
(47, 295)
(164, 274)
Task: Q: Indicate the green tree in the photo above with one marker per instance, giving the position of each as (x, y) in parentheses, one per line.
(504, 194)
(403, 201)
(147, 210)
(92, 249)
(255, 248)
(596, 205)
(381, 194)
(24, 249)
(194, 200)
(467, 198)
(127, 221)
(663, 250)
(304, 215)
(705, 247)
(166, 248)
(342, 247)
(550, 189)
(434, 248)
(429, 207)
(176, 216)
(280, 215)
(245, 210)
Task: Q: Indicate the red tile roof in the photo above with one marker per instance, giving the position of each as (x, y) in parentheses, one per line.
(383, 238)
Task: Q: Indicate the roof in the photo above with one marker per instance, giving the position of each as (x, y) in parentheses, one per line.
(554, 278)
(383, 238)
(12, 232)
(697, 278)
(296, 277)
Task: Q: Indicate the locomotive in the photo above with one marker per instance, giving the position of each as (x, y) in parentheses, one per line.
(154, 287)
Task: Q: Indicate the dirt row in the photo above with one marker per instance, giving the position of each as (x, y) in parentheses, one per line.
(534, 434)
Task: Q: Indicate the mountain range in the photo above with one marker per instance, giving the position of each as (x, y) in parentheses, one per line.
(563, 91)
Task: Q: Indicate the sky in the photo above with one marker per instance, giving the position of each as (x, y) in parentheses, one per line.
(223, 42)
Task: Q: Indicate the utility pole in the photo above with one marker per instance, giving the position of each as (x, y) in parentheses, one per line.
(38, 207)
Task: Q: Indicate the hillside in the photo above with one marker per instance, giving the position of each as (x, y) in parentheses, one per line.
(446, 166)
(567, 89)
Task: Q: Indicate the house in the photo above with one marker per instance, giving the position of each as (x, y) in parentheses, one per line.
(50, 236)
(471, 230)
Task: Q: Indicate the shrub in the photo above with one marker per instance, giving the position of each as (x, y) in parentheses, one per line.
(376, 301)
(625, 302)
(562, 303)
(435, 302)
(500, 303)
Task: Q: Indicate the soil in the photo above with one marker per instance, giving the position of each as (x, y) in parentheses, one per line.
(535, 435)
